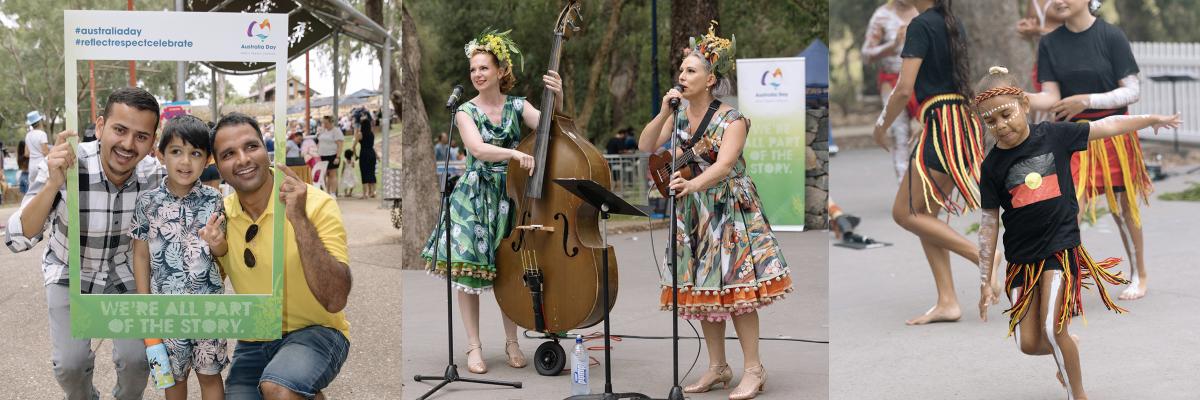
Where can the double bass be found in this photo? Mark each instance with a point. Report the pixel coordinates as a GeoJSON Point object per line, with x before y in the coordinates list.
{"type": "Point", "coordinates": [549, 265]}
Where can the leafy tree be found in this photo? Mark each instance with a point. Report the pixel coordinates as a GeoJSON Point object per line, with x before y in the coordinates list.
{"type": "Point", "coordinates": [31, 65]}
{"type": "Point", "coordinates": [621, 94]}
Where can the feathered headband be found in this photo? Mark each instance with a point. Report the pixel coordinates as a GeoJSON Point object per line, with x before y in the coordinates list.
{"type": "Point", "coordinates": [498, 43]}
{"type": "Point", "coordinates": [716, 51]}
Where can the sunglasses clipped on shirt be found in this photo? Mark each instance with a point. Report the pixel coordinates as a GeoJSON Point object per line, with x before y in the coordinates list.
{"type": "Point", "coordinates": [247, 255]}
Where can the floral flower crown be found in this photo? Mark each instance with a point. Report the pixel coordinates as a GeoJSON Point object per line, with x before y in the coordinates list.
{"type": "Point", "coordinates": [717, 51]}
{"type": "Point", "coordinates": [497, 43]}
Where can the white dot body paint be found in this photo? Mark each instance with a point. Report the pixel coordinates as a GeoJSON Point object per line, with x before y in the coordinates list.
{"type": "Point", "coordinates": [1017, 332]}
{"type": "Point", "coordinates": [1112, 119]}
{"type": "Point", "coordinates": [988, 228]}
{"type": "Point", "coordinates": [998, 108]}
{"type": "Point", "coordinates": [1055, 286]}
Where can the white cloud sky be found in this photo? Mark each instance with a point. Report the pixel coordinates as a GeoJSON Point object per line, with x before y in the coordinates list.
{"type": "Point", "coordinates": [364, 74]}
{"type": "Point", "coordinates": [7, 21]}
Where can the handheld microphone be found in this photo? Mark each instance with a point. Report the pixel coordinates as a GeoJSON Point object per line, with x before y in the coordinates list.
{"type": "Point", "coordinates": [454, 95]}
{"type": "Point", "coordinates": [674, 102]}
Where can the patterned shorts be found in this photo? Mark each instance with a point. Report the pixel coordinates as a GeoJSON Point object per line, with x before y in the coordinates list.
{"type": "Point", "coordinates": [206, 356]}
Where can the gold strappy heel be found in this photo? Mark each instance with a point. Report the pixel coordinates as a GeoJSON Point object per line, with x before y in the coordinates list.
{"type": "Point", "coordinates": [753, 381]}
{"type": "Point", "coordinates": [479, 368]}
{"type": "Point", "coordinates": [515, 359]}
{"type": "Point", "coordinates": [720, 374]}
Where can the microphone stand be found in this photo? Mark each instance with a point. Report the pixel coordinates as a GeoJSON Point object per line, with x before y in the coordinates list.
{"type": "Point", "coordinates": [451, 373]}
{"type": "Point", "coordinates": [676, 390]}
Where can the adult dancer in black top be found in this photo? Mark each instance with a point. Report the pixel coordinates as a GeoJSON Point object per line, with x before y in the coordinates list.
{"type": "Point", "coordinates": [1088, 72]}
{"type": "Point", "coordinates": [946, 156]}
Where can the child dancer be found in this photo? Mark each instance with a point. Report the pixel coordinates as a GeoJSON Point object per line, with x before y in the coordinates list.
{"type": "Point", "coordinates": [178, 230]}
{"type": "Point", "coordinates": [1028, 174]}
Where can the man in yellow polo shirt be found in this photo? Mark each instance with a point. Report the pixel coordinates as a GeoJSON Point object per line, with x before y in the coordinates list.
{"type": "Point", "coordinates": [315, 339]}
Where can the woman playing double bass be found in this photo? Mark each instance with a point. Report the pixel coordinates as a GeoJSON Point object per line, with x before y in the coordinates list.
{"type": "Point", "coordinates": [490, 125]}
{"type": "Point", "coordinates": [730, 263]}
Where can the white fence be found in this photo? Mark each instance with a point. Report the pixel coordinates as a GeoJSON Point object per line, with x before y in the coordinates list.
{"type": "Point", "coordinates": [1176, 59]}
{"type": "Point", "coordinates": [629, 177]}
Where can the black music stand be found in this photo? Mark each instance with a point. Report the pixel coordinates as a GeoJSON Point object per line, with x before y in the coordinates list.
{"type": "Point", "coordinates": [451, 373]}
{"type": "Point", "coordinates": [608, 203]}
{"type": "Point", "coordinates": [1173, 78]}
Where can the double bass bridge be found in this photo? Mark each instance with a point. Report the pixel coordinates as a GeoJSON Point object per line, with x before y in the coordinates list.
{"type": "Point", "coordinates": [534, 228]}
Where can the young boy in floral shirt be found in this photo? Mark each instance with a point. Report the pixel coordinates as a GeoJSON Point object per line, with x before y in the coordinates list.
{"type": "Point", "coordinates": [177, 233]}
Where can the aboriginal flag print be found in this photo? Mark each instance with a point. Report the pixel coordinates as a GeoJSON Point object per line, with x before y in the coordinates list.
{"type": "Point", "coordinates": [1033, 180]}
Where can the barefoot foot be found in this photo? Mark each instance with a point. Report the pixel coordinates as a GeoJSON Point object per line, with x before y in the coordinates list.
{"type": "Point", "coordinates": [937, 314]}
{"type": "Point", "coordinates": [1135, 291]}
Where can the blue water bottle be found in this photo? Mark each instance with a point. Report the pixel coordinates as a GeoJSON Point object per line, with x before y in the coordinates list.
{"type": "Point", "coordinates": [160, 363]}
{"type": "Point", "coordinates": [580, 363]}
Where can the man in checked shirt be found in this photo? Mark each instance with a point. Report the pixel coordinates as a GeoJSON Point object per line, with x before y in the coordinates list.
{"type": "Point", "coordinates": [113, 172]}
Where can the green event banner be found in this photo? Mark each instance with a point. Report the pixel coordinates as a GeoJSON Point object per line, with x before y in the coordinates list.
{"type": "Point", "coordinates": [771, 94]}
{"type": "Point", "coordinates": [174, 36]}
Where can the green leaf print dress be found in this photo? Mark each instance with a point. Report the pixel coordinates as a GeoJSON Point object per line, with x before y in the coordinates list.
{"type": "Point", "coordinates": [479, 207]}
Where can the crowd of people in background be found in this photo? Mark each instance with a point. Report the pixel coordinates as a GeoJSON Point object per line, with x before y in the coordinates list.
{"type": "Point", "coordinates": [324, 142]}
{"type": "Point", "coordinates": [345, 167]}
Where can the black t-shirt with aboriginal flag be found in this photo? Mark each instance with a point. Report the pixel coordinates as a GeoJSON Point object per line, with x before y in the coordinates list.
{"type": "Point", "coordinates": [1032, 183]}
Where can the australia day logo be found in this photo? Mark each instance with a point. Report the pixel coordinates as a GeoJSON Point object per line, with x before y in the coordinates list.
{"type": "Point", "coordinates": [260, 30]}
{"type": "Point", "coordinates": [772, 78]}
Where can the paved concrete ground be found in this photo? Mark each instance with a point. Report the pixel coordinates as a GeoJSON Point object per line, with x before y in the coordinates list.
{"type": "Point", "coordinates": [1148, 353]}
{"type": "Point", "coordinates": [372, 370]}
{"type": "Point", "coordinates": [796, 370]}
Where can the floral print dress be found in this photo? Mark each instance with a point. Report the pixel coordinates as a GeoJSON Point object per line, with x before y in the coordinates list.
{"type": "Point", "coordinates": [479, 207]}
{"type": "Point", "coordinates": [730, 263]}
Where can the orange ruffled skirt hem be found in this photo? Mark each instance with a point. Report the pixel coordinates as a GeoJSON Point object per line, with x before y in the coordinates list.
{"type": "Point", "coordinates": [722, 304]}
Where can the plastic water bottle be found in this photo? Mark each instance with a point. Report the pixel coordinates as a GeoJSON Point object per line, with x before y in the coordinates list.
{"type": "Point", "coordinates": [160, 363]}
{"type": "Point", "coordinates": [580, 364]}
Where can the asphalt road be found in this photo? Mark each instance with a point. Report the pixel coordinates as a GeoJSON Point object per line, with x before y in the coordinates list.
{"type": "Point", "coordinates": [795, 370]}
{"type": "Point", "coordinates": [1148, 353]}
{"type": "Point", "coordinates": [372, 370]}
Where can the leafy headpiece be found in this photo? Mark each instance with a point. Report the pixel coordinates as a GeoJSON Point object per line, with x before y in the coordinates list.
{"type": "Point", "coordinates": [716, 51]}
{"type": "Point", "coordinates": [498, 43]}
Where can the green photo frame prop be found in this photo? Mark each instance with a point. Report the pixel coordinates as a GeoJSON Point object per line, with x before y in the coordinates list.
{"type": "Point", "coordinates": [175, 36]}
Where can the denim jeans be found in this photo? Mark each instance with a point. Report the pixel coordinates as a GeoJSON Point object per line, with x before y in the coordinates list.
{"type": "Point", "coordinates": [304, 361]}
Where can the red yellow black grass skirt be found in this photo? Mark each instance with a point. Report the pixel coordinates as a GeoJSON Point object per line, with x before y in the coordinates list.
{"type": "Point", "coordinates": [1111, 167]}
{"type": "Point", "coordinates": [952, 144]}
{"type": "Point", "coordinates": [1078, 268]}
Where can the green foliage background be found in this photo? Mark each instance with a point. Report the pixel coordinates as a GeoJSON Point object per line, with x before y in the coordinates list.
{"type": "Point", "coordinates": [31, 62]}
{"type": "Point", "coordinates": [780, 28]}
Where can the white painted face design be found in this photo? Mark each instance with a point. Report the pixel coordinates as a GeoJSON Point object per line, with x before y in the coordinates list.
{"type": "Point", "coordinates": [1003, 120]}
